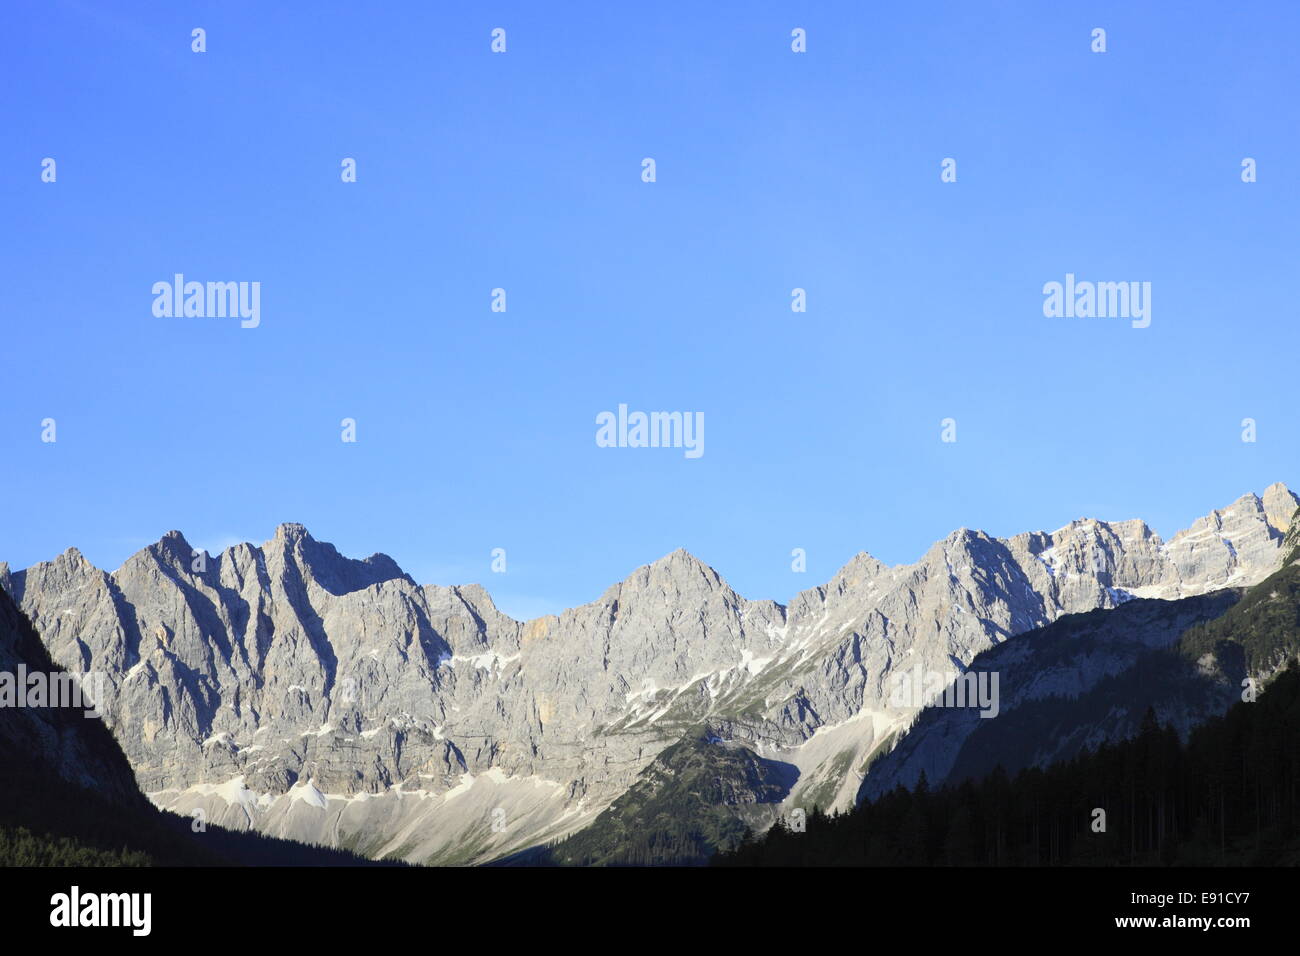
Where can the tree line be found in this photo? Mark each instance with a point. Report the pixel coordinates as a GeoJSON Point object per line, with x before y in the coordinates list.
{"type": "Point", "coordinates": [1230, 795]}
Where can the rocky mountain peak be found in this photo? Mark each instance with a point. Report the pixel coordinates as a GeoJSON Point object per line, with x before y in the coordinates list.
{"type": "Point", "coordinates": [292, 532]}
{"type": "Point", "coordinates": [321, 562]}
{"type": "Point", "coordinates": [859, 573]}
{"type": "Point", "coordinates": [679, 570]}
{"type": "Point", "coordinates": [1280, 504]}
{"type": "Point", "coordinates": [681, 559]}
{"type": "Point", "coordinates": [172, 548]}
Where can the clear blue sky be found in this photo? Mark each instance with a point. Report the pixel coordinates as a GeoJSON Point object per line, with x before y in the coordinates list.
{"type": "Point", "coordinates": [523, 171]}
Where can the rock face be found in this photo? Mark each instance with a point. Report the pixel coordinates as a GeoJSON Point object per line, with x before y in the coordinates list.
{"type": "Point", "coordinates": [1088, 679]}
{"type": "Point", "coordinates": [317, 697]}
{"type": "Point", "coordinates": [51, 736]}
{"type": "Point", "coordinates": [1081, 681]}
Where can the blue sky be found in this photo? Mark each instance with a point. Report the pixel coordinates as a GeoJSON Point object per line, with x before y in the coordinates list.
{"type": "Point", "coordinates": [522, 171]}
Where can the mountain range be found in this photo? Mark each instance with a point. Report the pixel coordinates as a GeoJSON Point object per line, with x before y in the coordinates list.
{"type": "Point", "coordinates": [287, 689]}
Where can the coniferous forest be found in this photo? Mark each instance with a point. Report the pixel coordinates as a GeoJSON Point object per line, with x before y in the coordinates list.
{"type": "Point", "coordinates": [1229, 796]}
